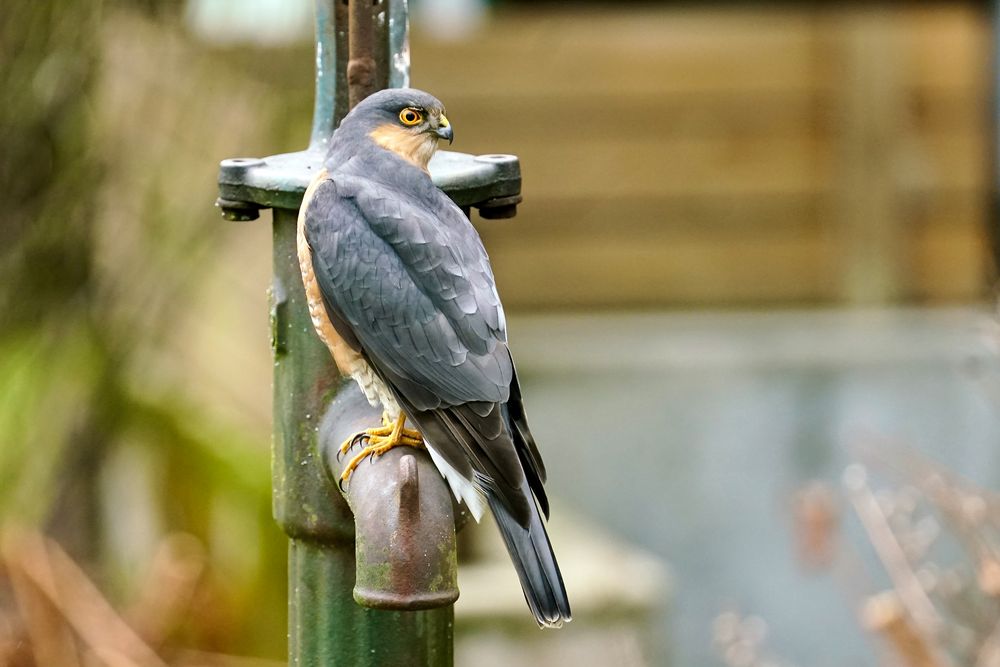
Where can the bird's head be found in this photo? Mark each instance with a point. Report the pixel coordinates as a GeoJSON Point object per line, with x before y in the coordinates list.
{"type": "Point", "coordinates": [406, 121]}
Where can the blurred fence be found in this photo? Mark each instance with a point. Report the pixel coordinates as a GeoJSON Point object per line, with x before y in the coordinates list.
{"type": "Point", "coordinates": [737, 155]}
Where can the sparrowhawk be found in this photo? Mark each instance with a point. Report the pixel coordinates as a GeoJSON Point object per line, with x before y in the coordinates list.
{"type": "Point", "coordinates": [401, 291]}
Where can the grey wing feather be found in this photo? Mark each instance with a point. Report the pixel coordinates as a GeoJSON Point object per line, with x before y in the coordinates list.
{"type": "Point", "coordinates": [416, 289]}
{"type": "Point", "coordinates": [412, 282]}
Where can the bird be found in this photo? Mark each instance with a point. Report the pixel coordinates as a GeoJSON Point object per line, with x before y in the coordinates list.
{"type": "Point", "coordinates": [401, 291]}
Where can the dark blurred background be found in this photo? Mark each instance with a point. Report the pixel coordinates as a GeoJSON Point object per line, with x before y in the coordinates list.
{"type": "Point", "coordinates": [754, 249]}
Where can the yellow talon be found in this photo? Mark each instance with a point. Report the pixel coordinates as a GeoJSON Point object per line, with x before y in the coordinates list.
{"type": "Point", "coordinates": [380, 440]}
{"type": "Point", "coordinates": [384, 430]}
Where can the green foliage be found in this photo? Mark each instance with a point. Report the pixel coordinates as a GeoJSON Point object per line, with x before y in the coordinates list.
{"type": "Point", "coordinates": [109, 135]}
{"type": "Point", "coordinates": [46, 385]}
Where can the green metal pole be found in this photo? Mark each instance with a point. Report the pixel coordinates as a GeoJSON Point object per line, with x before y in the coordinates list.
{"type": "Point", "coordinates": [326, 625]}
{"type": "Point", "coordinates": [330, 628]}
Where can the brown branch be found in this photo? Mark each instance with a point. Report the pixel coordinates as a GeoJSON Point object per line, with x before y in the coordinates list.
{"type": "Point", "coordinates": [51, 641]}
{"type": "Point", "coordinates": [53, 574]}
{"type": "Point", "coordinates": [190, 658]}
{"type": "Point", "coordinates": [169, 589]}
{"type": "Point", "coordinates": [885, 615]}
{"type": "Point", "coordinates": [989, 652]}
{"type": "Point", "coordinates": [912, 597]}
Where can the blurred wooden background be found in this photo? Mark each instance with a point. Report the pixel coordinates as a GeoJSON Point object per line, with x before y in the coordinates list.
{"type": "Point", "coordinates": [674, 157]}
{"type": "Point", "coordinates": [731, 156]}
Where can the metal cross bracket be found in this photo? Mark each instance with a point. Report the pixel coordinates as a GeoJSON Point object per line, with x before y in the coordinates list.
{"type": "Point", "coordinates": [489, 183]}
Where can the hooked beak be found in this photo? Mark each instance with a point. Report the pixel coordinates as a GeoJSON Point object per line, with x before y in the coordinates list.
{"type": "Point", "coordinates": [444, 130]}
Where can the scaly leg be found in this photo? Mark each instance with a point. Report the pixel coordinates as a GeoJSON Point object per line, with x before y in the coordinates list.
{"type": "Point", "coordinates": [380, 440]}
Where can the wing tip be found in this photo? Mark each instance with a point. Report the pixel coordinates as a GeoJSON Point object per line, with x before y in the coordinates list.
{"type": "Point", "coordinates": [553, 623]}
{"type": "Point", "coordinates": [531, 553]}
{"type": "Point", "coordinates": [555, 611]}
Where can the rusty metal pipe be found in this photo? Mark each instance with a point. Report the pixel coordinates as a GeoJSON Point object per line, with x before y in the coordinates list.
{"type": "Point", "coordinates": [404, 515]}
{"type": "Point", "coordinates": [361, 51]}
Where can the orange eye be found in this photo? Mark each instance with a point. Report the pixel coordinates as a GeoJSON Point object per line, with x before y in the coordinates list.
{"type": "Point", "coordinates": [410, 117]}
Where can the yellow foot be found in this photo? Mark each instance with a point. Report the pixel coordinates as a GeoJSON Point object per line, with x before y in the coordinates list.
{"type": "Point", "coordinates": [409, 436]}
{"type": "Point", "coordinates": [379, 440]}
